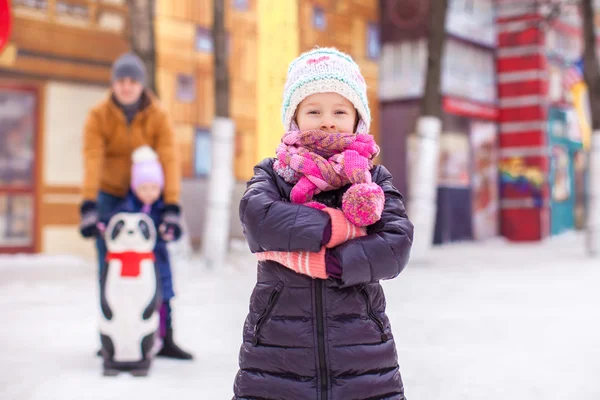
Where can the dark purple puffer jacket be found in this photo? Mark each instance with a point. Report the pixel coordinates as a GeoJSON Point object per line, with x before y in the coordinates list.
{"type": "Point", "coordinates": [313, 339]}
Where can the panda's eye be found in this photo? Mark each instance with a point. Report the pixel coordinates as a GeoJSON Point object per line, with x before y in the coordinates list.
{"type": "Point", "coordinates": [117, 229]}
{"type": "Point", "coordinates": [145, 229]}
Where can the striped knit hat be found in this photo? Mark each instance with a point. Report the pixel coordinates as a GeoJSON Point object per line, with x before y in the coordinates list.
{"type": "Point", "coordinates": [324, 70]}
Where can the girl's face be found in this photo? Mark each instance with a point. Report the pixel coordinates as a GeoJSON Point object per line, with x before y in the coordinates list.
{"type": "Point", "coordinates": [329, 112]}
{"type": "Point", "coordinates": [148, 193]}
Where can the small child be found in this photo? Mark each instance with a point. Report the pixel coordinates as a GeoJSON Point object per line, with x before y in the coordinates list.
{"type": "Point", "coordinates": [147, 182]}
{"type": "Point", "coordinates": [326, 225]}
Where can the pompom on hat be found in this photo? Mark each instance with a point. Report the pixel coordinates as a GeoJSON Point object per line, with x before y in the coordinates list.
{"type": "Point", "coordinates": [325, 70]}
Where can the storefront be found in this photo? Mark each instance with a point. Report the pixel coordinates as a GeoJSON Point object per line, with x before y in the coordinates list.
{"type": "Point", "coordinates": [567, 168]}
{"type": "Point", "coordinates": [19, 128]}
{"type": "Point", "coordinates": [49, 79]}
{"type": "Point", "coordinates": [467, 206]}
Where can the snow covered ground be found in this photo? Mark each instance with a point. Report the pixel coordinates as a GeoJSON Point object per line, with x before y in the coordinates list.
{"type": "Point", "coordinates": [479, 321]}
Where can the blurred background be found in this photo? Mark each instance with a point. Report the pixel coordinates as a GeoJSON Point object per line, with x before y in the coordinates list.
{"type": "Point", "coordinates": [511, 171]}
{"type": "Point", "coordinates": [514, 119]}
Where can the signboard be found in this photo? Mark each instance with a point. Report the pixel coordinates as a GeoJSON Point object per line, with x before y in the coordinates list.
{"type": "Point", "coordinates": [472, 21]}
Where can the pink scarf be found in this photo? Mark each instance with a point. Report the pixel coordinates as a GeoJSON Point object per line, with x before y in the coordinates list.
{"type": "Point", "coordinates": [316, 161]}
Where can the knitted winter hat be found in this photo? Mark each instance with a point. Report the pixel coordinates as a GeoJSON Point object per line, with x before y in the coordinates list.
{"type": "Point", "coordinates": [146, 167]}
{"type": "Point", "coordinates": [325, 70]}
{"type": "Point", "coordinates": [131, 66]}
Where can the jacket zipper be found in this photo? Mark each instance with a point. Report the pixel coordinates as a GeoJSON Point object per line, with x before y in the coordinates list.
{"type": "Point", "coordinates": [267, 311]}
{"type": "Point", "coordinates": [321, 339]}
{"type": "Point", "coordinates": [372, 315]}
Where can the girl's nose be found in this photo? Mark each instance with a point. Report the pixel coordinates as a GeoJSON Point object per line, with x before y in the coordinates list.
{"type": "Point", "coordinates": [328, 126]}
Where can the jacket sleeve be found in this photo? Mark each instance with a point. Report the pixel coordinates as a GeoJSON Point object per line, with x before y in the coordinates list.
{"type": "Point", "coordinates": [271, 223]}
{"type": "Point", "coordinates": [384, 252]}
{"type": "Point", "coordinates": [166, 149]}
{"type": "Point", "coordinates": [93, 156]}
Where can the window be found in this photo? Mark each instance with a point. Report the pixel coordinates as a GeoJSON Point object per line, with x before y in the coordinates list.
{"type": "Point", "coordinates": [16, 220]}
{"type": "Point", "coordinates": [16, 138]}
{"type": "Point", "coordinates": [204, 40]}
{"type": "Point", "coordinates": [73, 10]}
{"type": "Point", "coordinates": [202, 155]}
{"type": "Point", "coordinates": [373, 43]}
{"type": "Point", "coordinates": [17, 168]}
{"type": "Point", "coordinates": [38, 4]}
{"type": "Point", "coordinates": [319, 20]}
{"type": "Point", "coordinates": [240, 5]}
{"type": "Point", "coordinates": [186, 88]}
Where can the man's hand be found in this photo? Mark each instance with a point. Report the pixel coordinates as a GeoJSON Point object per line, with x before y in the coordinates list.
{"type": "Point", "coordinates": [88, 227]}
{"type": "Point", "coordinates": [170, 226]}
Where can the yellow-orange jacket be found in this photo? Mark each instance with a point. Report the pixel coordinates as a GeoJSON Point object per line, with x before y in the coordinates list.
{"type": "Point", "coordinates": [108, 142]}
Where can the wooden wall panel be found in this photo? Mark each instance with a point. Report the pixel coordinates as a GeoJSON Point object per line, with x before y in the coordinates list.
{"type": "Point", "coordinates": [174, 36]}
{"type": "Point", "coordinates": [176, 25]}
{"type": "Point", "coordinates": [246, 142]}
{"type": "Point", "coordinates": [59, 205]}
{"type": "Point", "coordinates": [205, 107]}
{"type": "Point", "coordinates": [346, 29]}
{"type": "Point", "coordinates": [185, 140]}
{"type": "Point", "coordinates": [359, 38]}
{"type": "Point", "coordinates": [59, 214]}
{"type": "Point", "coordinates": [67, 41]}
{"type": "Point", "coordinates": [61, 69]}
{"type": "Point", "coordinates": [367, 10]}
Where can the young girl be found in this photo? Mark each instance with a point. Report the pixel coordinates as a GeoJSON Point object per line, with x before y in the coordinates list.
{"type": "Point", "coordinates": [326, 226]}
{"type": "Point", "coordinates": [147, 180]}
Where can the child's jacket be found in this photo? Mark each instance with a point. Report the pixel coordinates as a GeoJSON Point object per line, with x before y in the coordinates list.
{"type": "Point", "coordinates": [308, 339]}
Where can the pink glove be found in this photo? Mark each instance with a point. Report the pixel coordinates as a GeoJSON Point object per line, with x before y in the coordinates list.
{"type": "Point", "coordinates": [303, 262]}
{"type": "Point", "coordinates": [342, 230]}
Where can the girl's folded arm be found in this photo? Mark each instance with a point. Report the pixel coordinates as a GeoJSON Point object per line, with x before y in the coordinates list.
{"type": "Point", "coordinates": [384, 252]}
{"type": "Point", "coordinates": [272, 224]}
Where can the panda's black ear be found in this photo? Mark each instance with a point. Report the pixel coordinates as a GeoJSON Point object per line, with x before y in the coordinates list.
{"type": "Point", "coordinates": [144, 228]}
{"type": "Point", "coordinates": [117, 229]}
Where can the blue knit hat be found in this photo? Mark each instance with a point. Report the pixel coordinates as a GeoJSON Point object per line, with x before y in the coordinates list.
{"type": "Point", "coordinates": [325, 70]}
{"type": "Point", "coordinates": [131, 66]}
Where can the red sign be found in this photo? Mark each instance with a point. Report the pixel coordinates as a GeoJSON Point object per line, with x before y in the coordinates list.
{"type": "Point", "coordinates": [5, 22]}
{"type": "Point", "coordinates": [453, 105]}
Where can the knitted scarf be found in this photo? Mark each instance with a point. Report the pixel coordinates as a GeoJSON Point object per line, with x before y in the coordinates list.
{"type": "Point", "coordinates": [316, 161]}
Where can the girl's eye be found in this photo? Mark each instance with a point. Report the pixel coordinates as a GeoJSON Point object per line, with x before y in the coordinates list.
{"type": "Point", "coordinates": [313, 112]}
{"type": "Point", "coordinates": [340, 112]}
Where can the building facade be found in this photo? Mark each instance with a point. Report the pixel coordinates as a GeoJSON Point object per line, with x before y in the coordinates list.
{"type": "Point", "coordinates": [55, 65]}
{"type": "Point", "coordinates": [513, 140]}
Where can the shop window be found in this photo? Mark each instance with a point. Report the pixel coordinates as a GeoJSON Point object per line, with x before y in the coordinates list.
{"type": "Point", "coordinates": [202, 153]}
{"type": "Point", "coordinates": [319, 20]}
{"type": "Point", "coordinates": [186, 88]}
{"type": "Point", "coordinates": [16, 220]}
{"type": "Point", "coordinates": [373, 43]}
{"type": "Point", "coordinates": [17, 168]}
{"type": "Point", "coordinates": [16, 139]}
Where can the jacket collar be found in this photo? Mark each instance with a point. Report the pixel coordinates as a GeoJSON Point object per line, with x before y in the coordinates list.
{"type": "Point", "coordinates": [147, 104]}
{"type": "Point", "coordinates": [138, 203]}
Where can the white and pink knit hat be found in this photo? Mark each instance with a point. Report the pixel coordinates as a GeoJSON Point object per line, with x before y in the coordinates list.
{"type": "Point", "coordinates": [145, 167]}
{"type": "Point", "coordinates": [325, 70]}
